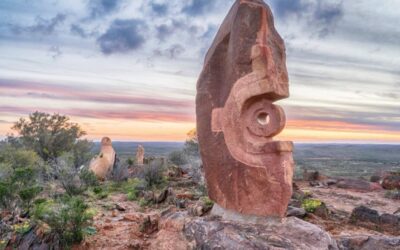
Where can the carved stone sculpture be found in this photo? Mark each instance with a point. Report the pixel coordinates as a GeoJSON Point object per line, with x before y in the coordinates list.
{"type": "Point", "coordinates": [102, 165]}
{"type": "Point", "coordinates": [140, 155]}
{"type": "Point", "coordinates": [244, 74]}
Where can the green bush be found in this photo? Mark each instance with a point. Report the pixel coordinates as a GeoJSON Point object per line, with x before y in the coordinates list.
{"type": "Point", "coordinates": [88, 178]}
{"type": "Point", "coordinates": [6, 194]}
{"type": "Point", "coordinates": [143, 202]}
{"type": "Point", "coordinates": [73, 180]}
{"type": "Point", "coordinates": [19, 189]}
{"type": "Point", "coordinates": [22, 228]}
{"type": "Point", "coordinates": [48, 135]}
{"type": "Point", "coordinates": [310, 205]}
{"type": "Point", "coordinates": [130, 162]}
{"type": "Point", "coordinates": [153, 174]}
{"type": "Point", "coordinates": [28, 194]}
{"type": "Point", "coordinates": [68, 218]}
{"type": "Point", "coordinates": [177, 158]}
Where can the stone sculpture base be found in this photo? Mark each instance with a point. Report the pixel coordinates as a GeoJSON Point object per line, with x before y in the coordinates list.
{"type": "Point", "coordinates": [230, 215]}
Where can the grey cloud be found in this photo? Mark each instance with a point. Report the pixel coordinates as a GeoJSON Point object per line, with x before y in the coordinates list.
{"type": "Point", "coordinates": [198, 7]}
{"type": "Point", "coordinates": [163, 31]}
{"type": "Point", "coordinates": [160, 9]}
{"type": "Point", "coordinates": [172, 52]}
{"type": "Point", "coordinates": [123, 35]}
{"type": "Point", "coordinates": [389, 95]}
{"type": "Point", "coordinates": [327, 15]}
{"type": "Point", "coordinates": [78, 30]}
{"type": "Point", "coordinates": [42, 26]}
{"type": "Point", "coordinates": [99, 8]}
{"type": "Point", "coordinates": [55, 52]}
{"type": "Point", "coordinates": [284, 8]}
{"type": "Point", "coordinates": [320, 15]}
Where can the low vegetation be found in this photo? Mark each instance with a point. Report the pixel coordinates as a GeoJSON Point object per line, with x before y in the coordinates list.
{"type": "Point", "coordinates": [43, 178]}
{"type": "Point", "coordinates": [310, 205]}
{"type": "Point", "coordinates": [46, 185]}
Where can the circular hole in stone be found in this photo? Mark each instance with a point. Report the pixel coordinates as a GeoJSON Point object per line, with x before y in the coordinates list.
{"type": "Point", "coordinates": [263, 118]}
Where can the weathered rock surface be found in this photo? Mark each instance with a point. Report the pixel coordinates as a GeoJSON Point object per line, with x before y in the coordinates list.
{"type": "Point", "coordinates": [140, 155]}
{"type": "Point", "coordinates": [296, 212]}
{"type": "Point", "coordinates": [364, 242]}
{"type": "Point", "coordinates": [391, 182]}
{"type": "Point", "coordinates": [371, 219]}
{"type": "Point", "coordinates": [358, 185]}
{"type": "Point", "coordinates": [292, 233]}
{"type": "Point", "coordinates": [102, 165]}
{"type": "Point", "coordinates": [244, 73]}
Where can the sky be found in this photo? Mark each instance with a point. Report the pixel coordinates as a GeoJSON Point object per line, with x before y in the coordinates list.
{"type": "Point", "coordinates": [128, 69]}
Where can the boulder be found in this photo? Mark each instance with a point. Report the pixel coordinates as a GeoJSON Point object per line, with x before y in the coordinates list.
{"type": "Point", "coordinates": [244, 73]}
{"type": "Point", "coordinates": [362, 215]}
{"type": "Point", "coordinates": [390, 223]}
{"type": "Point", "coordinates": [368, 242]}
{"type": "Point", "coordinates": [290, 233]}
{"type": "Point", "coordinates": [370, 218]}
{"type": "Point", "coordinates": [295, 212]}
{"type": "Point", "coordinates": [358, 185]}
{"type": "Point", "coordinates": [391, 182]}
{"type": "Point", "coordinates": [310, 175]}
{"type": "Point", "coordinates": [102, 165]}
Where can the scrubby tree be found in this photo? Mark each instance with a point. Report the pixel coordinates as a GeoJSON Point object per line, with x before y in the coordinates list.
{"type": "Point", "coordinates": [191, 147]}
{"type": "Point", "coordinates": [49, 135]}
{"type": "Point", "coordinates": [20, 172]}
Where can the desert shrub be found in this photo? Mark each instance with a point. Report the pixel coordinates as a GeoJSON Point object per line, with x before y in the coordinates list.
{"type": "Point", "coordinates": [130, 162]}
{"type": "Point", "coordinates": [131, 187]}
{"type": "Point", "coordinates": [393, 194]}
{"type": "Point", "coordinates": [143, 202]}
{"type": "Point", "coordinates": [82, 152]}
{"type": "Point", "coordinates": [74, 180]}
{"type": "Point", "coordinates": [88, 178]}
{"type": "Point", "coordinates": [22, 228]}
{"type": "Point", "coordinates": [48, 135]}
{"type": "Point", "coordinates": [310, 205]}
{"type": "Point", "coordinates": [132, 196]}
{"type": "Point", "coordinates": [68, 218]}
{"type": "Point", "coordinates": [28, 194]}
{"type": "Point", "coordinates": [6, 195]}
{"type": "Point", "coordinates": [191, 147]}
{"type": "Point", "coordinates": [100, 192]}
{"type": "Point", "coordinates": [177, 158]}
{"type": "Point", "coordinates": [19, 188]}
{"type": "Point", "coordinates": [68, 175]}
{"type": "Point", "coordinates": [120, 171]}
{"type": "Point", "coordinates": [153, 174]}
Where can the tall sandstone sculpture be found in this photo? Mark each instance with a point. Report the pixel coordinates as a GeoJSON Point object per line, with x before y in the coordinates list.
{"type": "Point", "coordinates": [244, 73]}
{"type": "Point", "coordinates": [102, 165]}
{"type": "Point", "coordinates": [140, 155]}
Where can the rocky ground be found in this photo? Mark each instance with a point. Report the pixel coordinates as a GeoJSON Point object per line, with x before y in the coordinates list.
{"type": "Point", "coordinates": [324, 213]}
{"type": "Point", "coordinates": [347, 219]}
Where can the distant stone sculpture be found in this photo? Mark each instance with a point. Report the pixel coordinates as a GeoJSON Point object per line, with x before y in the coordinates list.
{"type": "Point", "coordinates": [244, 73]}
{"type": "Point", "coordinates": [102, 165]}
{"type": "Point", "coordinates": [140, 155]}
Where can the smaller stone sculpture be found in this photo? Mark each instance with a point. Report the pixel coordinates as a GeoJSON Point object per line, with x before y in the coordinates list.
{"type": "Point", "coordinates": [140, 155]}
{"type": "Point", "coordinates": [102, 165]}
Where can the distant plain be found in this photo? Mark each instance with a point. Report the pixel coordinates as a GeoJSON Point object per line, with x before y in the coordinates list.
{"type": "Point", "coordinates": [338, 160]}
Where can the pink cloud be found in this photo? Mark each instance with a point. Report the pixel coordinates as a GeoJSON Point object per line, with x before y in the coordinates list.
{"type": "Point", "coordinates": [23, 89]}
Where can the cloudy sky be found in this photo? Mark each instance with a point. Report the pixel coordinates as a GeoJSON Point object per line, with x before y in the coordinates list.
{"type": "Point", "coordinates": [128, 69]}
